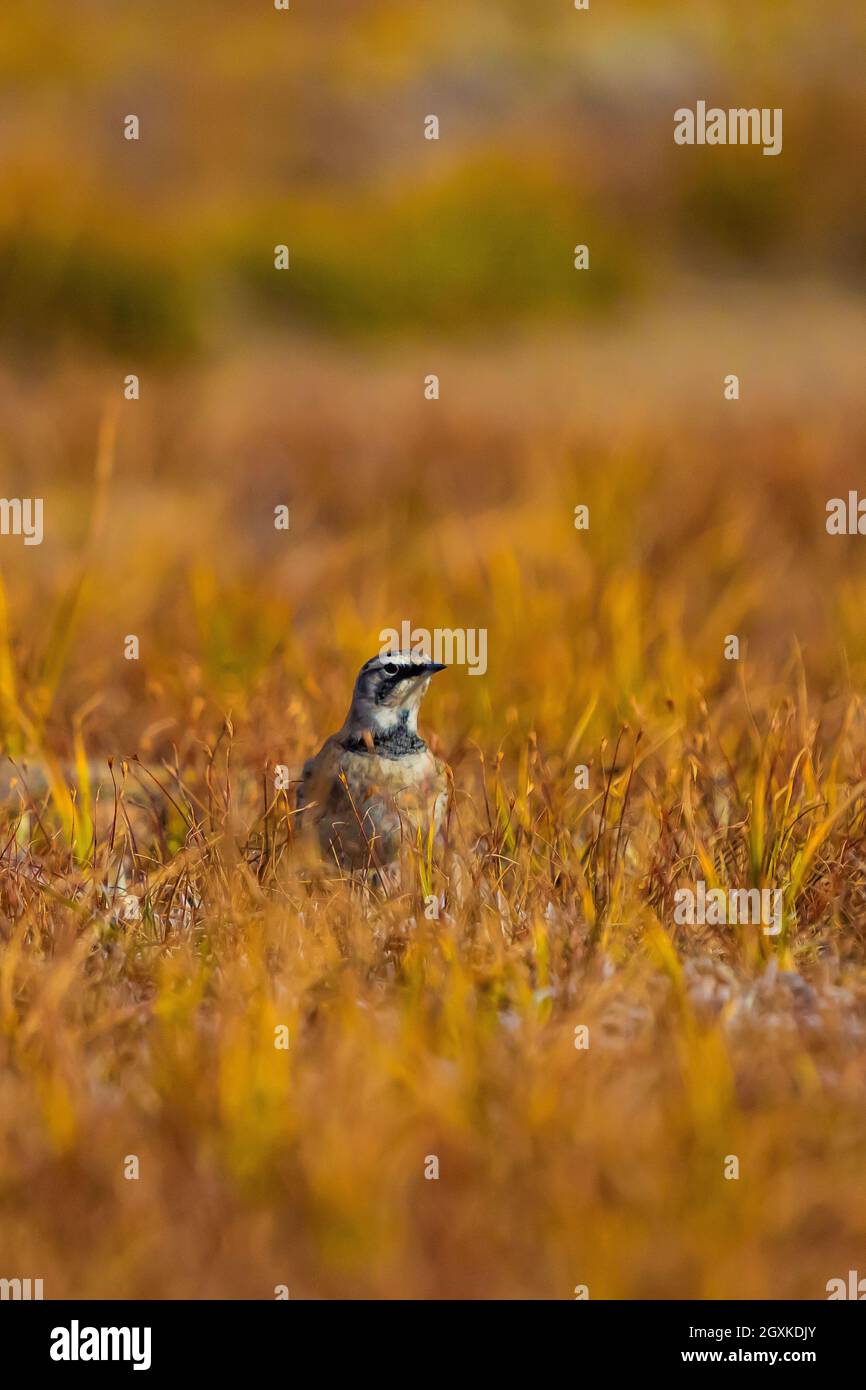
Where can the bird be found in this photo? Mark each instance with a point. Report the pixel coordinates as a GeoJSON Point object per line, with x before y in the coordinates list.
{"type": "Point", "coordinates": [374, 785]}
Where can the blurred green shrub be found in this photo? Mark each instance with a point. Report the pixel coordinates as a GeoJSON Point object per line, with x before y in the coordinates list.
{"type": "Point", "coordinates": [491, 243]}
{"type": "Point", "coordinates": [95, 289]}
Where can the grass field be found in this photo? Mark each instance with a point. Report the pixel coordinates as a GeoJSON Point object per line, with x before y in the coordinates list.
{"type": "Point", "coordinates": [152, 1032]}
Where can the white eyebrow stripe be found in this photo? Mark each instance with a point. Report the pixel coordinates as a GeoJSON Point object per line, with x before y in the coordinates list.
{"type": "Point", "coordinates": [400, 659]}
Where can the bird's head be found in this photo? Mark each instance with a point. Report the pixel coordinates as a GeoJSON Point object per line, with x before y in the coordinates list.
{"type": "Point", "coordinates": [389, 691]}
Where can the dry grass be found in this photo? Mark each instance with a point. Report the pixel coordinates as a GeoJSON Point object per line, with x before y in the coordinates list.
{"type": "Point", "coordinates": [411, 1037]}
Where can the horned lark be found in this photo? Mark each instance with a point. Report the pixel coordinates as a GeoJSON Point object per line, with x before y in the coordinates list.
{"type": "Point", "coordinates": [375, 784]}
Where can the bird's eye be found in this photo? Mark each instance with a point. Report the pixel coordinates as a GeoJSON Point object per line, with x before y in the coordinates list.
{"type": "Point", "coordinates": [390, 669]}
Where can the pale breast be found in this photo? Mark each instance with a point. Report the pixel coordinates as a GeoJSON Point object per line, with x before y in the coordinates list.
{"type": "Point", "coordinates": [384, 802]}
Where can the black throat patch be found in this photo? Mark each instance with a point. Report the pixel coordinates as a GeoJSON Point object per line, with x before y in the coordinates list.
{"type": "Point", "coordinates": [397, 742]}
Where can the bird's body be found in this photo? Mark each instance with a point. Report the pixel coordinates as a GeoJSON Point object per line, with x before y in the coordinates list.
{"type": "Point", "coordinates": [375, 785]}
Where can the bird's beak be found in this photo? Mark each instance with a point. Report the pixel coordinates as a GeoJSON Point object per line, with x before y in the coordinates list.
{"type": "Point", "coordinates": [433, 666]}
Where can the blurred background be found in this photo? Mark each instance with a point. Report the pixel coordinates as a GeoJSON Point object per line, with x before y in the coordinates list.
{"type": "Point", "coordinates": [306, 127]}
